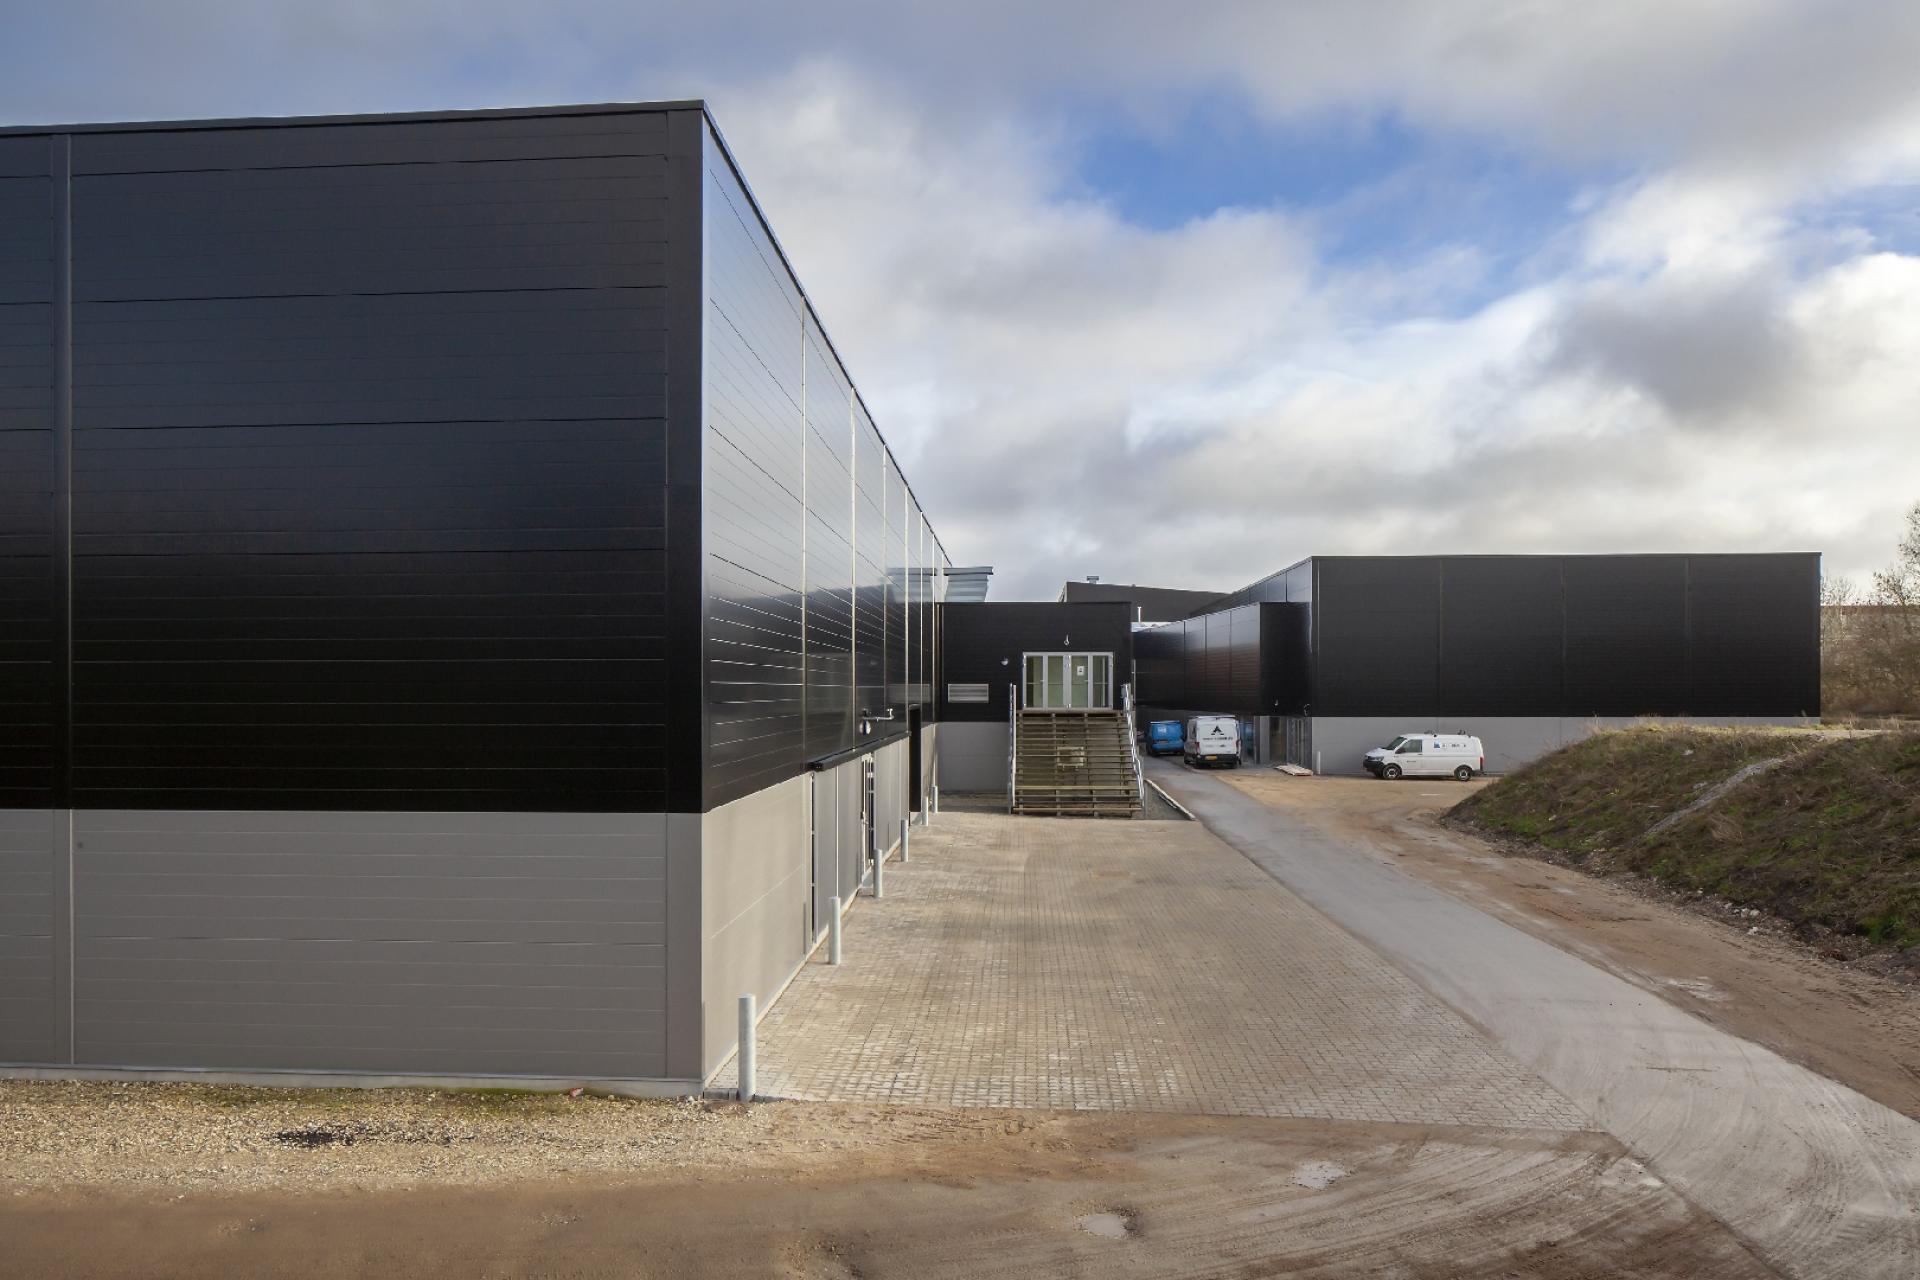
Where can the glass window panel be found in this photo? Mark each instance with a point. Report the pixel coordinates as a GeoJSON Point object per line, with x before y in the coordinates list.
{"type": "Point", "coordinates": [1056, 679]}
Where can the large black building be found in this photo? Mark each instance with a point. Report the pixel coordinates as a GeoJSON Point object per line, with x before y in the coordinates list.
{"type": "Point", "coordinates": [459, 616]}
{"type": "Point", "coordinates": [1339, 653]}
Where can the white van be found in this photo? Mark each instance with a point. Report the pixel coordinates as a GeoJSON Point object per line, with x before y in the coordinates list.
{"type": "Point", "coordinates": [1212, 740]}
{"type": "Point", "coordinates": [1428, 755]}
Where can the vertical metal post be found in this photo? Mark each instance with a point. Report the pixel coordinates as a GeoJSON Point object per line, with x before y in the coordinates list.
{"type": "Point", "coordinates": [833, 933]}
{"type": "Point", "coordinates": [879, 862]}
{"type": "Point", "coordinates": [906, 834]}
{"type": "Point", "coordinates": [746, 1063]}
{"type": "Point", "coordinates": [936, 797]}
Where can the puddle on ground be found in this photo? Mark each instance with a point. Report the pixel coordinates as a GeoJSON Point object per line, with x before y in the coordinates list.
{"type": "Point", "coordinates": [1111, 1226]}
{"type": "Point", "coordinates": [1318, 1175]}
{"type": "Point", "coordinates": [312, 1138]}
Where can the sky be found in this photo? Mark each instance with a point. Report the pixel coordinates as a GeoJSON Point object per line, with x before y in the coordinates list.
{"type": "Point", "coordinates": [1178, 295]}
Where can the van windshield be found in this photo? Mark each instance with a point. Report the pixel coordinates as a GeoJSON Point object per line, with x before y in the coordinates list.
{"type": "Point", "coordinates": [1395, 744]}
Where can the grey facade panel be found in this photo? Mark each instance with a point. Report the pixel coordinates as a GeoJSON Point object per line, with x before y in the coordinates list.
{"type": "Point", "coordinates": [387, 961]}
{"type": "Point", "coordinates": [30, 952]}
{"type": "Point", "coordinates": [756, 921]}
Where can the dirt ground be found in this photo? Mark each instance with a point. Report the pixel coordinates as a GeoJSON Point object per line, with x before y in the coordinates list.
{"type": "Point", "coordinates": [807, 1190]}
{"type": "Point", "coordinates": [1745, 976]}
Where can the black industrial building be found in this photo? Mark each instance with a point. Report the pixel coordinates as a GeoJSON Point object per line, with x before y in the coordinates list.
{"type": "Point", "coordinates": [1149, 604]}
{"type": "Point", "coordinates": [1337, 654]}
{"type": "Point", "coordinates": [460, 619]}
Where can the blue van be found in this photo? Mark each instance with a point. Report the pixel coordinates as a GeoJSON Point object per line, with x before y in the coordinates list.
{"type": "Point", "coordinates": [1164, 737]}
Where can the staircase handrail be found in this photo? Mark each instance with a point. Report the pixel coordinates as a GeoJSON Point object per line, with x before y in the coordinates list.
{"type": "Point", "coordinates": [1013, 744]}
{"type": "Point", "coordinates": [1133, 746]}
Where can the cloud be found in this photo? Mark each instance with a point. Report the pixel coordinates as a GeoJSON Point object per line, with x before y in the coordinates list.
{"type": "Point", "coordinates": [1075, 394]}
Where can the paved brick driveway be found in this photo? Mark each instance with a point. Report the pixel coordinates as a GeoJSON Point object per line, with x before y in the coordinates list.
{"type": "Point", "coordinates": [1061, 963]}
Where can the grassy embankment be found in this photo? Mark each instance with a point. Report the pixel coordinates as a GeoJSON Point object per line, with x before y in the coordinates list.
{"type": "Point", "coordinates": [1827, 840]}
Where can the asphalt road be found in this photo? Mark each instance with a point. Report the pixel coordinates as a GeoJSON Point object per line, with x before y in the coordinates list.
{"type": "Point", "coordinates": [1816, 1179]}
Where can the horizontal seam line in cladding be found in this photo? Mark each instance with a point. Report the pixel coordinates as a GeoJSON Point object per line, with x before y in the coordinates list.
{"type": "Point", "coordinates": [382, 942]}
{"type": "Point", "coordinates": [226, 1042]}
{"type": "Point", "coordinates": [717, 430]}
{"type": "Point", "coordinates": [742, 914]}
{"type": "Point", "coordinates": [362, 165]}
{"type": "Point", "coordinates": [282, 938]}
{"type": "Point", "coordinates": [275, 225]}
{"type": "Point", "coordinates": [229, 1002]}
{"type": "Point", "coordinates": [78, 303]}
{"type": "Point", "coordinates": [301, 555]}
{"type": "Point", "coordinates": [420, 357]}
{"type": "Point", "coordinates": [438, 659]}
{"type": "Point", "coordinates": [319, 534]}
{"type": "Point", "coordinates": [720, 307]}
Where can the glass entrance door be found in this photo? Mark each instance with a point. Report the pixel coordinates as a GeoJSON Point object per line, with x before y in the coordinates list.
{"type": "Point", "coordinates": [1068, 681]}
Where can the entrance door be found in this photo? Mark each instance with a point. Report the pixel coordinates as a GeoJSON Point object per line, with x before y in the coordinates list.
{"type": "Point", "coordinates": [1068, 681]}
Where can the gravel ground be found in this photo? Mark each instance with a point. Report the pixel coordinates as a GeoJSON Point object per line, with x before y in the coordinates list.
{"type": "Point", "coordinates": [64, 1133]}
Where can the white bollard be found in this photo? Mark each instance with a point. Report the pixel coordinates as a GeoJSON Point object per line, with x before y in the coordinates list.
{"type": "Point", "coordinates": [833, 933]}
{"type": "Point", "coordinates": [879, 861]}
{"type": "Point", "coordinates": [746, 1063]}
{"type": "Point", "coordinates": [936, 797]}
{"type": "Point", "coordinates": [906, 834]}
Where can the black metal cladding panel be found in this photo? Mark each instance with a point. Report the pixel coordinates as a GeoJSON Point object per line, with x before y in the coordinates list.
{"type": "Point", "coordinates": [29, 673]}
{"type": "Point", "coordinates": [1216, 661]}
{"type": "Point", "coordinates": [870, 560]}
{"type": "Point", "coordinates": [896, 590]}
{"type": "Point", "coordinates": [982, 643]}
{"type": "Point", "coordinates": [1292, 584]}
{"type": "Point", "coordinates": [1283, 650]}
{"type": "Point", "coordinates": [1379, 636]}
{"type": "Point", "coordinates": [1755, 632]}
{"type": "Point", "coordinates": [1626, 635]}
{"type": "Point", "coordinates": [924, 639]}
{"type": "Point", "coordinates": [1243, 693]}
{"type": "Point", "coordinates": [1159, 663]}
{"type": "Point", "coordinates": [369, 466]}
{"type": "Point", "coordinates": [830, 499]}
{"type": "Point", "coordinates": [754, 509]}
{"type": "Point", "coordinates": [1501, 636]}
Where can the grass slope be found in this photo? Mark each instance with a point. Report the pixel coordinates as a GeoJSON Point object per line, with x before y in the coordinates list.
{"type": "Point", "coordinates": [1830, 838]}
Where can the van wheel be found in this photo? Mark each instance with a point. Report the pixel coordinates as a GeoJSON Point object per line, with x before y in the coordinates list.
{"type": "Point", "coordinates": [1464, 773]}
{"type": "Point", "coordinates": [1390, 772]}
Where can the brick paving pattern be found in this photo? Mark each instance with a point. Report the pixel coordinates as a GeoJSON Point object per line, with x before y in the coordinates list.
{"type": "Point", "coordinates": [1143, 966]}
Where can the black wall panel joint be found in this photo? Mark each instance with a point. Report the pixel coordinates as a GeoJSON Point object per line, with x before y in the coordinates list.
{"type": "Point", "coordinates": [60, 170]}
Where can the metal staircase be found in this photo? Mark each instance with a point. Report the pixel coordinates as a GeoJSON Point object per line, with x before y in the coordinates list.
{"type": "Point", "coordinates": [1074, 763]}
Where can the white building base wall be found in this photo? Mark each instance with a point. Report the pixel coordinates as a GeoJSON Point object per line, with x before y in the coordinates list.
{"type": "Point", "coordinates": [1339, 742]}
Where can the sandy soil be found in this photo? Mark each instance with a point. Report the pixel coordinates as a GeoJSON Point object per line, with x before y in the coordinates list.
{"type": "Point", "coordinates": [1747, 976]}
{"type": "Point", "coordinates": [806, 1190]}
